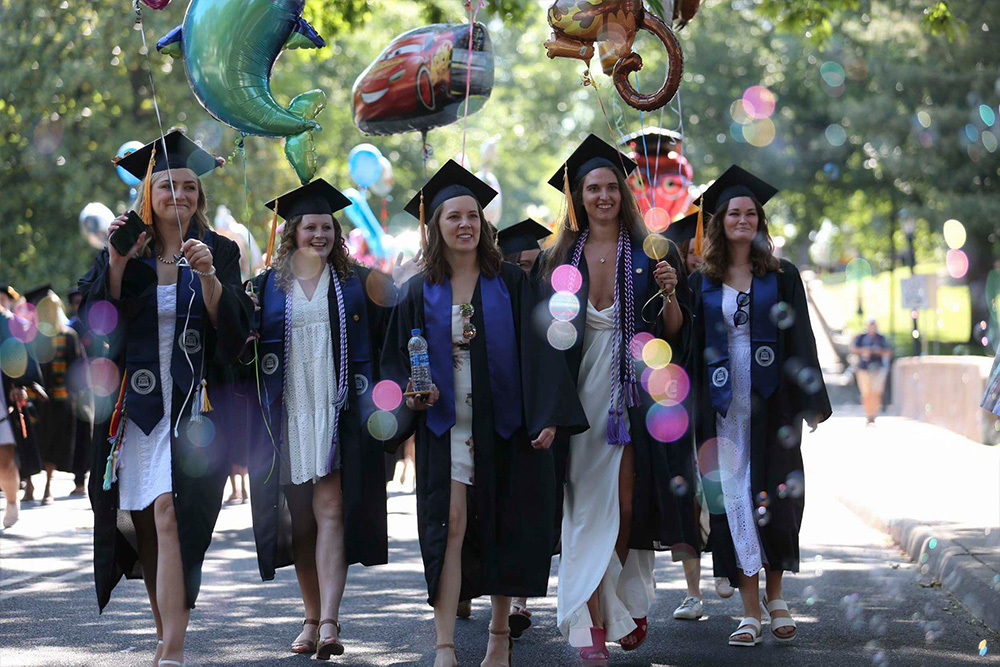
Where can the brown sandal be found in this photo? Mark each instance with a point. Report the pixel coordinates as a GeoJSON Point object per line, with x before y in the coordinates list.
{"type": "Point", "coordinates": [305, 645]}
{"type": "Point", "coordinates": [329, 647]}
{"type": "Point", "coordinates": [510, 644]}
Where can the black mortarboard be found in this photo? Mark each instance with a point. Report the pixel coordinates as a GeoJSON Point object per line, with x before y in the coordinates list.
{"type": "Point", "coordinates": [592, 154]}
{"type": "Point", "coordinates": [181, 153]}
{"type": "Point", "coordinates": [10, 292]}
{"type": "Point", "coordinates": [521, 236]}
{"type": "Point", "coordinates": [317, 196]}
{"type": "Point", "coordinates": [452, 180]}
{"type": "Point", "coordinates": [35, 295]}
{"type": "Point", "coordinates": [736, 182]}
{"type": "Point", "coordinates": [682, 230]}
{"type": "Point", "coordinates": [652, 141]}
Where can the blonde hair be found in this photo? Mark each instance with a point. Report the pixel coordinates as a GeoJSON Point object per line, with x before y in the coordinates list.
{"type": "Point", "coordinates": [199, 219]}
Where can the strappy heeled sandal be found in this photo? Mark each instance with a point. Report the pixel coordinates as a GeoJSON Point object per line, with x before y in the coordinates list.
{"type": "Point", "coordinates": [748, 626]}
{"type": "Point", "coordinates": [597, 653]}
{"type": "Point", "coordinates": [325, 648]}
{"type": "Point", "coordinates": [778, 623]}
{"type": "Point", "coordinates": [510, 646]}
{"type": "Point", "coordinates": [441, 647]}
{"type": "Point", "coordinates": [519, 621]}
{"type": "Point", "coordinates": [638, 635]}
{"type": "Point", "coordinates": [306, 645]}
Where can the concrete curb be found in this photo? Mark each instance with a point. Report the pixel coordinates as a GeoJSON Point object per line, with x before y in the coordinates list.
{"type": "Point", "coordinates": [943, 560]}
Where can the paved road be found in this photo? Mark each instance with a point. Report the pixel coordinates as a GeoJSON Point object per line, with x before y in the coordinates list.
{"type": "Point", "coordinates": [858, 601]}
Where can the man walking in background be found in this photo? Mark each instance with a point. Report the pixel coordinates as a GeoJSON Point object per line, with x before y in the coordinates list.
{"type": "Point", "coordinates": [874, 352]}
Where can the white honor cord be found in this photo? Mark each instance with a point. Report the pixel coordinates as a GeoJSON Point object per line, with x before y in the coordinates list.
{"type": "Point", "coordinates": [187, 357]}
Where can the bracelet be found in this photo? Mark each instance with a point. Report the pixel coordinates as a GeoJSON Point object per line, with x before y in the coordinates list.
{"type": "Point", "coordinates": [205, 274]}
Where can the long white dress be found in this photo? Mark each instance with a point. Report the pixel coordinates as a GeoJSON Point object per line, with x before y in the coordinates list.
{"type": "Point", "coordinates": [462, 468]}
{"type": "Point", "coordinates": [733, 433]}
{"type": "Point", "coordinates": [590, 509]}
{"type": "Point", "coordinates": [145, 467]}
{"type": "Point", "coordinates": [310, 388]}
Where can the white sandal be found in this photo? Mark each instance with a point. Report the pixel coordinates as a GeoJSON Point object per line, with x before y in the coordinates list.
{"type": "Point", "coordinates": [748, 626]}
{"type": "Point", "coordinates": [778, 623]}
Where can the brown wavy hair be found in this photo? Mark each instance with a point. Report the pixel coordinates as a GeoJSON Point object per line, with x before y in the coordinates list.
{"type": "Point", "coordinates": [339, 258]}
{"type": "Point", "coordinates": [716, 254]}
{"type": "Point", "coordinates": [629, 215]}
{"type": "Point", "coordinates": [199, 219]}
{"type": "Point", "coordinates": [488, 254]}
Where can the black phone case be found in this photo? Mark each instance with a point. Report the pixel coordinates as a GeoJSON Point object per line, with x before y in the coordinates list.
{"type": "Point", "coordinates": [125, 237]}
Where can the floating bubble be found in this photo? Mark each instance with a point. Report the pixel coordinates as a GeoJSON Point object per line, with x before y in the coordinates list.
{"type": "Point", "coordinates": [24, 325]}
{"type": "Point", "coordinates": [638, 342]}
{"type": "Point", "coordinates": [924, 118]}
{"type": "Point", "coordinates": [954, 234]}
{"type": "Point", "coordinates": [668, 385]}
{"type": "Point", "coordinates": [932, 544]}
{"type": "Point", "coordinates": [783, 315]}
{"type": "Point", "coordinates": [982, 647]}
{"type": "Point", "coordinates": [782, 491]}
{"type": "Point", "coordinates": [810, 380]}
{"type": "Point", "coordinates": [809, 593]}
{"type": "Point", "coordinates": [561, 335]}
{"type": "Point", "coordinates": [567, 278]}
{"type": "Point", "coordinates": [763, 516]}
{"type": "Point", "coordinates": [831, 170]}
{"type": "Point", "coordinates": [666, 423]}
{"type": "Point", "coordinates": [387, 395]}
{"type": "Point", "coordinates": [971, 132]}
{"type": "Point", "coordinates": [201, 432]}
{"type": "Point", "coordinates": [656, 353]}
{"type": "Point", "coordinates": [656, 246]}
{"type": "Point", "coordinates": [379, 289]}
{"type": "Point", "coordinates": [796, 484]}
{"type": "Point", "coordinates": [858, 269]}
{"type": "Point", "coordinates": [759, 102]}
{"type": "Point", "coordinates": [102, 318]}
{"type": "Point", "coordinates": [306, 263]}
{"type": "Point", "coordinates": [564, 306]}
{"type": "Point", "coordinates": [759, 133]}
{"type": "Point", "coordinates": [738, 111]}
{"type": "Point", "coordinates": [736, 132]}
{"type": "Point", "coordinates": [13, 358]}
{"type": "Point", "coordinates": [832, 74]}
{"type": "Point", "coordinates": [194, 462]}
{"type": "Point", "coordinates": [788, 436]}
{"type": "Point", "coordinates": [990, 141]}
{"type": "Point", "coordinates": [44, 348]}
{"type": "Point", "coordinates": [836, 135]}
{"type": "Point", "coordinates": [104, 377]}
{"type": "Point", "coordinates": [987, 114]}
{"type": "Point", "coordinates": [762, 499]}
{"type": "Point", "coordinates": [679, 486]}
{"type": "Point", "coordinates": [657, 219]}
{"type": "Point", "coordinates": [382, 425]}
{"type": "Point", "coordinates": [957, 262]}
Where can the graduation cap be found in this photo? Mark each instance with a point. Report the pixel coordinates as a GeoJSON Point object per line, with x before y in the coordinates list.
{"type": "Point", "coordinates": [521, 236]}
{"type": "Point", "coordinates": [734, 182]}
{"type": "Point", "coordinates": [593, 153]}
{"type": "Point", "coordinates": [11, 293]}
{"type": "Point", "coordinates": [315, 197]}
{"type": "Point", "coordinates": [181, 153]}
{"type": "Point", "coordinates": [452, 180]}
{"type": "Point", "coordinates": [682, 230]}
{"type": "Point", "coordinates": [652, 141]}
{"type": "Point", "coordinates": [34, 296]}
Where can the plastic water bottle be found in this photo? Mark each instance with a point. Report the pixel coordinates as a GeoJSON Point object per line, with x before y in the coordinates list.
{"type": "Point", "coordinates": [420, 364]}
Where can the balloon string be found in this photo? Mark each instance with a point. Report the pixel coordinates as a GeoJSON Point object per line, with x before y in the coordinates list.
{"type": "Point", "coordinates": [468, 71]}
{"type": "Point", "coordinates": [241, 149]}
{"type": "Point", "coordinates": [645, 150]}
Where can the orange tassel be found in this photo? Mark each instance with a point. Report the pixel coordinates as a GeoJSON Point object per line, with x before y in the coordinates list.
{"type": "Point", "coordinates": [147, 190]}
{"type": "Point", "coordinates": [699, 232]}
{"type": "Point", "coordinates": [570, 213]}
{"type": "Point", "coordinates": [270, 240]}
{"type": "Point", "coordinates": [423, 226]}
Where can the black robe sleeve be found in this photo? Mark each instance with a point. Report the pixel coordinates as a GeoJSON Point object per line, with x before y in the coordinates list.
{"type": "Point", "coordinates": [232, 323]}
{"type": "Point", "coordinates": [395, 363]}
{"type": "Point", "coordinates": [812, 402]}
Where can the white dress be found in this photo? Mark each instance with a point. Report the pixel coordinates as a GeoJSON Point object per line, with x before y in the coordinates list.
{"type": "Point", "coordinates": [462, 467]}
{"type": "Point", "coordinates": [590, 509]}
{"type": "Point", "coordinates": [145, 465]}
{"type": "Point", "coordinates": [733, 433]}
{"type": "Point", "coordinates": [310, 388]}
{"type": "Point", "coordinates": [6, 432]}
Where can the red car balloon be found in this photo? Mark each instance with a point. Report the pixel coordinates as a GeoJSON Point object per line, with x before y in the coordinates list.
{"type": "Point", "coordinates": [419, 81]}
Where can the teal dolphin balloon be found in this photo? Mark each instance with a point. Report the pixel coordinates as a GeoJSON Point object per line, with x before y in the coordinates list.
{"type": "Point", "coordinates": [229, 48]}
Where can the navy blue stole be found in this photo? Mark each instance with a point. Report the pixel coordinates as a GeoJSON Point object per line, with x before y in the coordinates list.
{"type": "Point", "coordinates": [144, 393]}
{"type": "Point", "coordinates": [501, 355]}
{"type": "Point", "coordinates": [763, 340]}
{"type": "Point", "coordinates": [271, 346]}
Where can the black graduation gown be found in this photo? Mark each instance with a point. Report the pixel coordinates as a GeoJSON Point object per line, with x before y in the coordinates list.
{"type": "Point", "coordinates": [57, 422]}
{"type": "Point", "coordinates": [22, 422]}
{"type": "Point", "coordinates": [772, 459]}
{"type": "Point", "coordinates": [198, 473]}
{"type": "Point", "coordinates": [664, 516]}
{"type": "Point", "coordinates": [85, 401]}
{"type": "Point", "coordinates": [361, 456]}
{"type": "Point", "coordinates": [509, 532]}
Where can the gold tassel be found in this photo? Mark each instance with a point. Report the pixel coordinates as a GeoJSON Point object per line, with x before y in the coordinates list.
{"type": "Point", "coordinates": [206, 406]}
{"type": "Point", "coordinates": [570, 213]}
{"type": "Point", "coordinates": [147, 190]}
{"type": "Point", "coordinates": [699, 232]}
{"type": "Point", "coordinates": [423, 226]}
{"type": "Point", "coordinates": [270, 239]}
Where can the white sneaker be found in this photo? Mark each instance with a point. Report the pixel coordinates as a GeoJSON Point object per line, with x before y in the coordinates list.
{"type": "Point", "coordinates": [723, 588]}
{"type": "Point", "coordinates": [11, 514]}
{"type": "Point", "coordinates": [690, 609]}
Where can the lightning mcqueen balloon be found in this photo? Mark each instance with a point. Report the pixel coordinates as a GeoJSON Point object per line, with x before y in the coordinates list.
{"type": "Point", "coordinates": [419, 81]}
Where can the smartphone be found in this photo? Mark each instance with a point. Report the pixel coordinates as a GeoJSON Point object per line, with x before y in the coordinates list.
{"type": "Point", "coordinates": [125, 237]}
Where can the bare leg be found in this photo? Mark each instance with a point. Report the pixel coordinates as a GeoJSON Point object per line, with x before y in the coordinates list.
{"type": "Point", "coordinates": [300, 499]}
{"type": "Point", "coordinates": [50, 468]}
{"type": "Point", "coordinates": [234, 495]}
{"type": "Point", "coordinates": [331, 564]}
{"type": "Point", "coordinates": [497, 650]}
{"type": "Point", "coordinates": [692, 575]}
{"type": "Point", "coordinates": [626, 486]}
{"type": "Point", "coordinates": [170, 592]}
{"type": "Point", "coordinates": [750, 593]}
{"type": "Point", "coordinates": [10, 484]}
{"type": "Point", "coordinates": [145, 532]}
{"type": "Point", "coordinates": [772, 588]}
{"type": "Point", "coordinates": [242, 471]}
{"type": "Point", "coordinates": [450, 583]}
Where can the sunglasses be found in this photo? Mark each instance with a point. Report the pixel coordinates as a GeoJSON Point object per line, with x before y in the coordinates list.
{"type": "Point", "coordinates": [742, 314]}
{"type": "Point", "coordinates": [468, 328]}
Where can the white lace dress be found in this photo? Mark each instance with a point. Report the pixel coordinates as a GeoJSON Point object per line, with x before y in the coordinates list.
{"type": "Point", "coordinates": [462, 466]}
{"type": "Point", "coordinates": [145, 466]}
{"type": "Point", "coordinates": [310, 388]}
{"type": "Point", "coordinates": [733, 432]}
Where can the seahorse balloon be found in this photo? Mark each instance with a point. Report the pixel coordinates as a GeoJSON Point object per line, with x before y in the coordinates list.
{"type": "Point", "coordinates": [229, 48]}
{"type": "Point", "coordinates": [578, 24]}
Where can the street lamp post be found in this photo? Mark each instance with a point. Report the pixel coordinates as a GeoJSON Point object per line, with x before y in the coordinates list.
{"type": "Point", "coordinates": [909, 226]}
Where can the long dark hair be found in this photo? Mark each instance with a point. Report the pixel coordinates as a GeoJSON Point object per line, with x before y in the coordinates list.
{"type": "Point", "coordinates": [338, 258]}
{"type": "Point", "coordinates": [628, 215]}
{"type": "Point", "coordinates": [716, 254]}
{"type": "Point", "coordinates": [436, 267]}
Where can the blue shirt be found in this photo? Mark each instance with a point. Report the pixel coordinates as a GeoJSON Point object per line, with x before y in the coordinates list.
{"type": "Point", "coordinates": [876, 343]}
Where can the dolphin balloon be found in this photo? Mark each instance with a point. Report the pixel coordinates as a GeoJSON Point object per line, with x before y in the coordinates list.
{"type": "Point", "coordinates": [229, 48]}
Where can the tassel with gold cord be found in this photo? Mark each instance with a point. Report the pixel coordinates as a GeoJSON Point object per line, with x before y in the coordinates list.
{"type": "Point", "coordinates": [570, 213]}
{"type": "Point", "coordinates": [270, 239]}
{"type": "Point", "coordinates": [699, 232]}
{"type": "Point", "coordinates": [147, 190]}
{"type": "Point", "coordinates": [423, 225]}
